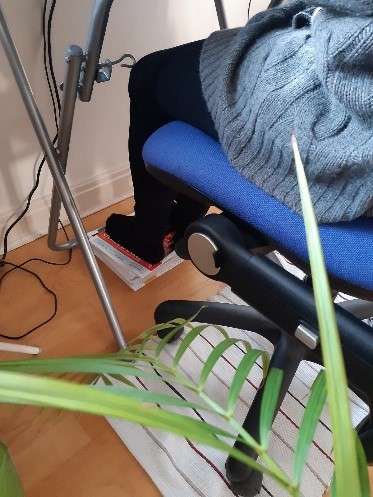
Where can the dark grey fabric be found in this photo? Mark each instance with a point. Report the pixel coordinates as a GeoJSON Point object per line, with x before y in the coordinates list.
{"type": "Point", "coordinates": [354, 7]}
{"type": "Point", "coordinates": [303, 69]}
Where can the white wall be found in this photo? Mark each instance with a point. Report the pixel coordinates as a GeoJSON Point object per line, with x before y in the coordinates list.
{"type": "Point", "coordinates": [98, 171]}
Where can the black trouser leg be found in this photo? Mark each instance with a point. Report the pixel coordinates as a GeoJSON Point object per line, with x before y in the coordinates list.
{"type": "Point", "coordinates": [164, 86]}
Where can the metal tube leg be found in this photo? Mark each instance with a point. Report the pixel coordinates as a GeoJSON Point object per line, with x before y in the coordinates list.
{"type": "Point", "coordinates": [58, 176]}
{"type": "Point", "coordinates": [54, 218]}
{"type": "Point", "coordinates": [222, 18]}
{"type": "Point", "coordinates": [74, 59]}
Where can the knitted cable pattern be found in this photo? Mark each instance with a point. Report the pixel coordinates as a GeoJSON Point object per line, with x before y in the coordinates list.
{"type": "Point", "coordinates": [302, 69]}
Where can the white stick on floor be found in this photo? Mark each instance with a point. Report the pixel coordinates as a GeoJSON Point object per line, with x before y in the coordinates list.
{"type": "Point", "coordinates": [22, 349]}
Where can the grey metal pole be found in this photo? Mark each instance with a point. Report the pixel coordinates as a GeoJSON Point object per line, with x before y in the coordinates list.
{"type": "Point", "coordinates": [222, 18]}
{"type": "Point", "coordinates": [74, 59]}
{"type": "Point", "coordinates": [80, 76]}
{"type": "Point", "coordinates": [94, 45]}
{"type": "Point", "coordinates": [58, 175]}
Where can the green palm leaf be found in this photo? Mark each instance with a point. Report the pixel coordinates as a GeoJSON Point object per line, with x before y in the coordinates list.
{"type": "Point", "coordinates": [182, 323]}
{"type": "Point", "coordinates": [10, 482]}
{"type": "Point", "coordinates": [188, 339]}
{"type": "Point", "coordinates": [17, 388]}
{"type": "Point", "coordinates": [241, 374]}
{"type": "Point", "coordinates": [346, 468]}
{"type": "Point", "coordinates": [151, 397]}
{"type": "Point", "coordinates": [363, 469]}
{"type": "Point", "coordinates": [23, 389]}
{"type": "Point", "coordinates": [269, 403]}
{"type": "Point", "coordinates": [308, 425]}
{"type": "Point", "coordinates": [215, 355]}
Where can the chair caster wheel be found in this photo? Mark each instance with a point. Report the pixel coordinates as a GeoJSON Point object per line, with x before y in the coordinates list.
{"type": "Point", "coordinates": [163, 333]}
{"type": "Point", "coordinates": [250, 487]}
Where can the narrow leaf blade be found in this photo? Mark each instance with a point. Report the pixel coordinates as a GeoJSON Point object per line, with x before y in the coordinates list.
{"type": "Point", "coordinates": [308, 425]}
{"type": "Point", "coordinates": [185, 344]}
{"type": "Point", "coordinates": [363, 469]}
{"type": "Point", "coordinates": [268, 406]}
{"type": "Point", "coordinates": [242, 372]}
{"type": "Point", "coordinates": [213, 358]}
{"type": "Point", "coordinates": [345, 457]}
{"type": "Point", "coordinates": [10, 482]}
{"type": "Point", "coordinates": [151, 397]}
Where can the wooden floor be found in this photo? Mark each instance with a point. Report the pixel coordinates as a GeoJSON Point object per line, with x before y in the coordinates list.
{"type": "Point", "coordinates": [69, 454]}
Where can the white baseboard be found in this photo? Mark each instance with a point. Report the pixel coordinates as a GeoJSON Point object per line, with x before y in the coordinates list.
{"type": "Point", "coordinates": [91, 196]}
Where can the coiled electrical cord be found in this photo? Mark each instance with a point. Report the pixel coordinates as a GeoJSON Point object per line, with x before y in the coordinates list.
{"type": "Point", "coordinates": [53, 89]}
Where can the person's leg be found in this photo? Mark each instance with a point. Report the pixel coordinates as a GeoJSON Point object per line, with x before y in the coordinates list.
{"type": "Point", "coordinates": [163, 87]}
{"type": "Point", "coordinates": [184, 101]}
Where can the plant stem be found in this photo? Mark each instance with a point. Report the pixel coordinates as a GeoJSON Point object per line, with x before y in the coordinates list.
{"type": "Point", "coordinates": [273, 469]}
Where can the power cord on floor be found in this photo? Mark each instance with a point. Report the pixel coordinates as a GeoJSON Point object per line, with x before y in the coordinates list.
{"type": "Point", "coordinates": [23, 213]}
{"type": "Point", "coordinates": [52, 84]}
{"type": "Point", "coordinates": [22, 267]}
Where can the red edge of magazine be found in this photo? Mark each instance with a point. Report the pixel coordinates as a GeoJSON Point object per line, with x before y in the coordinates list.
{"type": "Point", "coordinates": [167, 245]}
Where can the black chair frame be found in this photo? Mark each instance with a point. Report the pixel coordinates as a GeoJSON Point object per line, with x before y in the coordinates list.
{"type": "Point", "coordinates": [281, 308]}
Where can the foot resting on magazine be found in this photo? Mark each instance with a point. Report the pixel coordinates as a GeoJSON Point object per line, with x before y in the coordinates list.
{"type": "Point", "coordinates": [150, 247]}
{"type": "Point", "coordinates": [149, 244]}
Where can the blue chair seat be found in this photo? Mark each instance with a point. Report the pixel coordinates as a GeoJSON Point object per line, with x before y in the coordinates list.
{"type": "Point", "coordinates": [197, 160]}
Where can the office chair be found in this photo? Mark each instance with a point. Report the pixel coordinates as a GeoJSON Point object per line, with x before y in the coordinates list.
{"type": "Point", "coordinates": [235, 247]}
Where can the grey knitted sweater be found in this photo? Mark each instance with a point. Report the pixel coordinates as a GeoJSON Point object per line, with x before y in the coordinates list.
{"type": "Point", "coordinates": [301, 68]}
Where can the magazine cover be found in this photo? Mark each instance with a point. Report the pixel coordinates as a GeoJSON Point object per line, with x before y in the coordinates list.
{"type": "Point", "coordinates": [128, 266]}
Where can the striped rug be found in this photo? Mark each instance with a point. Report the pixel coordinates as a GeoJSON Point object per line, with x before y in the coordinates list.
{"type": "Point", "coordinates": [180, 467]}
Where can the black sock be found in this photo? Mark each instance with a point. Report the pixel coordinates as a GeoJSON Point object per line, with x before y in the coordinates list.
{"type": "Point", "coordinates": [126, 231]}
{"type": "Point", "coordinates": [143, 238]}
{"type": "Point", "coordinates": [184, 212]}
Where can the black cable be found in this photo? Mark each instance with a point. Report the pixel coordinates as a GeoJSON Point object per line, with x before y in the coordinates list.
{"type": "Point", "coordinates": [248, 10]}
{"type": "Point", "coordinates": [14, 267]}
{"type": "Point", "coordinates": [48, 61]}
{"type": "Point", "coordinates": [20, 266]}
{"type": "Point", "coordinates": [23, 213]}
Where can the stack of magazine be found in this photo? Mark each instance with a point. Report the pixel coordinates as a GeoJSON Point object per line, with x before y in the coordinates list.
{"type": "Point", "coordinates": [135, 272]}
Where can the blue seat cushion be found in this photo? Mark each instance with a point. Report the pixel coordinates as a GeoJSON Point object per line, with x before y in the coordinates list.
{"type": "Point", "coordinates": [199, 161]}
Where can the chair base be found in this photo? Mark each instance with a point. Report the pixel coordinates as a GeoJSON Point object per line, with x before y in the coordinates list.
{"type": "Point", "coordinates": [287, 355]}
{"type": "Point", "coordinates": [282, 310]}
{"type": "Point", "coordinates": [214, 313]}
{"type": "Point", "coordinates": [251, 487]}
